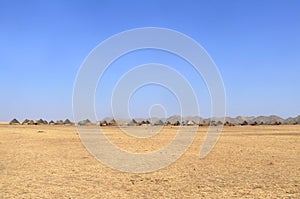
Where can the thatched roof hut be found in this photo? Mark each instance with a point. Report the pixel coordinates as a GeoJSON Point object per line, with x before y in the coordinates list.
{"type": "Point", "coordinates": [68, 122]}
{"type": "Point", "coordinates": [41, 121]}
{"type": "Point", "coordinates": [31, 122]}
{"type": "Point", "coordinates": [14, 121]}
{"type": "Point", "coordinates": [85, 122]}
{"type": "Point", "coordinates": [190, 123]}
{"type": "Point", "coordinates": [59, 122]}
{"type": "Point", "coordinates": [25, 122]}
{"type": "Point", "coordinates": [28, 122]}
{"type": "Point", "coordinates": [159, 123]}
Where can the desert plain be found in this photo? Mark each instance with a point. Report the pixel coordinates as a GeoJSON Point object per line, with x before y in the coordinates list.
{"type": "Point", "coordinates": [46, 161]}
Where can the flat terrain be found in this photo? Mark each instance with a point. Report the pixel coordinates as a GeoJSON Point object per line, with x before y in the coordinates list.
{"type": "Point", "coordinates": [248, 162]}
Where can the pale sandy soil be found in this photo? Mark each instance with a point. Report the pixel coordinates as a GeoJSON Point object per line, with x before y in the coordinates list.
{"type": "Point", "coordinates": [247, 162]}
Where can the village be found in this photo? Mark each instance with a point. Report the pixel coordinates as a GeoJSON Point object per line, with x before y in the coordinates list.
{"type": "Point", "coordinates": [171, 121]}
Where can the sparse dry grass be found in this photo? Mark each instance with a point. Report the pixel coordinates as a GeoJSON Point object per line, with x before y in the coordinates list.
{"type": "Point", "coordinates": [247, 162]}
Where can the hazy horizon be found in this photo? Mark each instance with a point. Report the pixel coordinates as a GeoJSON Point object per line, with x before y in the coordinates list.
{"type": "Point", "coordinates": [108, 118]}
{"type": "Point", "coordinates": [255, 45]}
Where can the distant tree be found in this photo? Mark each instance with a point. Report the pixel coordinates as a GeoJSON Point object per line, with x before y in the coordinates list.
{"type": "Point", "coordinates": [277, 123]}
{"type": "Point", "coordinates": [167, 123]}
{"type": "Point", "coordinates": [142, 122]}
{"type": "Point", "coordinates": [103, 123]}
{"type": "Point", "coordinates": [112, 122]}
{"type": "Point", "coordinates": [254, 123]}
{"type": "Point", "coordinates": [134, 121]}
{"type": "Point", "coordinates": [177, 123]}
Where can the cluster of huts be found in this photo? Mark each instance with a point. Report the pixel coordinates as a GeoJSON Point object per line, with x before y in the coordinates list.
{"type": "Point", "coordinates": [41, 122]}
{"type": "Point", "coordinates": [134, 122]}
{"type": "Point", "coordinates": [112, 122]}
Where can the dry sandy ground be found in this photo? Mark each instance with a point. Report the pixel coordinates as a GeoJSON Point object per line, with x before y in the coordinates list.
{"type": "Point", "coordinates": [247, 162]}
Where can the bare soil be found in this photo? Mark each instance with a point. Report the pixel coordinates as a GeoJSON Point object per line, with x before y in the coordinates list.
{"type": "Point", "coordinates": [247, 162]}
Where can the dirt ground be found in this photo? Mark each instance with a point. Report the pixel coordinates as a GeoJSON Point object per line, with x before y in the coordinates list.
{"type": "Point", "coordinates": [247, 162]}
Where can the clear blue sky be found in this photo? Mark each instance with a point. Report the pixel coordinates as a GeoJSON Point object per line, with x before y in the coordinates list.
{"type": "Point", "coordinates": [255, 44]}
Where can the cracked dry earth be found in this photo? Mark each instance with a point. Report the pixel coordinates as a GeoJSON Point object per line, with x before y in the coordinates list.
{"type": "Point", "coordinates": [247, 162]}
